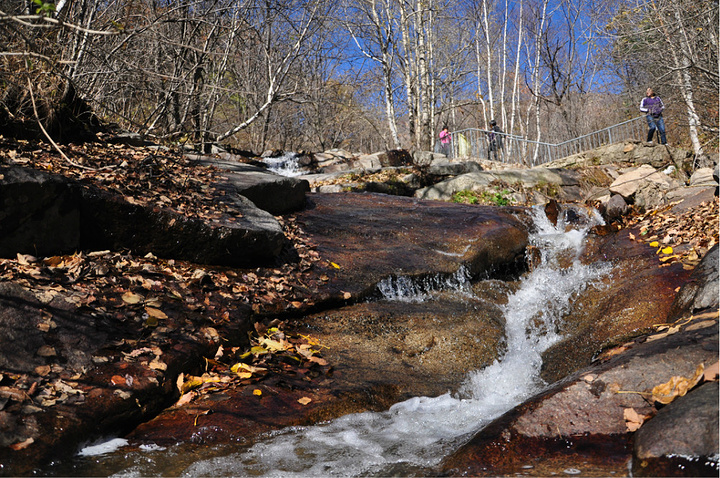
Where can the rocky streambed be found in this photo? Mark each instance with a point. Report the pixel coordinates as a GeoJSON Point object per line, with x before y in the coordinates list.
{"type": "Point", "coordinates": [125, 370]}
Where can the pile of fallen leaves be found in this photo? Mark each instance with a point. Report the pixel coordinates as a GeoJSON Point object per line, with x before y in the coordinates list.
{"type": "Point", "coordinates": [158, 296]}
{"type": "Point", "coordinates": [272, 351]}
{"type": "Point", "coordinates": [683, 237]}
{"type": "Point", "coordinates": [154, 176]}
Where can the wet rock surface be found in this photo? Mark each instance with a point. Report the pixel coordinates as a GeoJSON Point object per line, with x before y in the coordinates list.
{"type": "Point", "coordinates": [377, 236]}
{"type": "Point", "coordinates": [682, 439]}
{"type": "Point", "coordinates": [636, 295]}
{"type": "Point", "coordinates": [424, 349]}
{"type": "Point", "coordinates": [582, 421]}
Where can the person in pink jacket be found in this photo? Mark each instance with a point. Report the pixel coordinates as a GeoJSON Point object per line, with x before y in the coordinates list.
{"type": "Point", "coordinates": [445, 142]}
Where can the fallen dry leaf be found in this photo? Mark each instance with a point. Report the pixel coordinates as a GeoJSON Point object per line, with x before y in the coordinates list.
{"type": "Point", "coordinates": [23, 444]}
{"type": "Point", "coordinates": [155, 313]}
{"type": "Point", "coordinates": [131, 298]}
{"type": "Point", "coordinates": [633, 420]}
{"type": "Point", "coordinates": [711, 373]}
{"type": "Point", "coordinates": [677, 386]}
{"type": "Point", "coordinates": [304, 400]}
{"type": "Point", "coordinates": [157, 364]}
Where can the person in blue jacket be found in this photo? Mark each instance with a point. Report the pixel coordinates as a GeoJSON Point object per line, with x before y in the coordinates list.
{"type": "Point", "coordinates": [653, 108]}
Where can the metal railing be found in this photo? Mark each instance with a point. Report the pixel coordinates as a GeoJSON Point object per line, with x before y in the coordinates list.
{"type": "Point", "coordinates": [513, 149]}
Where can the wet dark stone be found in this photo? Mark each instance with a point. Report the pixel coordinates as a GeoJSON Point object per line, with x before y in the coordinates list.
{"type": "Point", "coordinates": [701, 290]}
{"type": "Point", "coordinates": [373, 236]}
{"type": "Point", "coordinates": [682, 439]}
{"type": "Point", "coordinates": [591, 417]}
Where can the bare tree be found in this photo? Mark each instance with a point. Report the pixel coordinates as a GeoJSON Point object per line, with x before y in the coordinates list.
{"type": "Point", "coordinates": [372, 26]}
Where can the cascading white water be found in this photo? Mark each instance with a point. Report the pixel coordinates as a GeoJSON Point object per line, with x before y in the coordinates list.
{"type": "Point", "coordinates": [285, 165]}
{"type": "Point", "coordinates": [406, 289]}
{"type": "Point", "coordinates": [419, 432]}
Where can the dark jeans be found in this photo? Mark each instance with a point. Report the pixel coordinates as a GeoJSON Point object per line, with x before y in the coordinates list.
{"type": "Point", "coordinates": [653, 124]}
{"type": "Point", "coordinates": [445, 149]}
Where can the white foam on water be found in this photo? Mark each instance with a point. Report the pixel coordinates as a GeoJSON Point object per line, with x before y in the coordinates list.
{"type": "Point", "coordinates": [285, 165]}
{"type": "Point", "coordinates": [409, 289]}
{"type": "Point", "coordinates": [421, 431]}
{"type": "Point", "coordinates": [103, 448]}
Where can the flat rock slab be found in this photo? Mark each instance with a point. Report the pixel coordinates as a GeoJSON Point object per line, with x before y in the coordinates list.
{"type": "Point", "coordinates": [475, 181]}
{"type": "Point", "coordinates": [370, 237]}
{"type": "Point", "coordinates": [424, 348]}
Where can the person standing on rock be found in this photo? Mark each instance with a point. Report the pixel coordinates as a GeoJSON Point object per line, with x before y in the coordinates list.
{"type": "Point", "coordinates": [653, 107]}
{"type": "Point", "coordinates": [495, 140]}
{"type": "Point", "coordinates": [445, 141]}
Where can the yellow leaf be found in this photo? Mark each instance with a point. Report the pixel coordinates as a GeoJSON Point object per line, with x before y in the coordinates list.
{"type": "Point", "coordinates": [190, 383]}
{"type": "Point", "coordinates": [258, 350]}
{"type": "Point", "coordinates": [195, 422]}
{"type": "Point", "coordinates": [273, 345]}
{"type": "Point", "coordinates": [131, 298]}
{"type": "Point", "coordinates": [654, 244]}
{"type": "Point", "coordinates": [335, 265]}
{"type": "Point", "coordinates": [246, 371]}
{"type": "Point", "coordinates": [157, 313]}
{"type": "Point", "coordinates": [304, 400]}
{"type": "Point", "coordinates": [667, 250]}
{"type": "Point", "coordinates": [154, 302]}
{"type": "Point", "coordinates": [257, 392]}
{"type": "Point", "coordinates": [677, 386]}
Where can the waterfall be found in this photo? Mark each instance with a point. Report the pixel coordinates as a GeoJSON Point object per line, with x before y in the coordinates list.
{"type": "Point", "coordinates": [285, 165]}
{"type": "Point", "coordinates": [407, 289]}
{"type": "Point", "coordinates": [416, 434]}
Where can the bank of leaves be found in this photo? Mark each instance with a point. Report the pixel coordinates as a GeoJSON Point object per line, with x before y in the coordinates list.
{"type": "Point", "coordinates": [157, 298]}
{"type": "Point", "coordinates": [683, 236]}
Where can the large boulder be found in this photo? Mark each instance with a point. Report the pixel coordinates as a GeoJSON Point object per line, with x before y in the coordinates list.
{"type": "Point", "coordinates": [268, 191]}
{"type": "Point", "coordinates": [410, 238]}
{"type": "Point", "coordinates": [422, 347]}
{"type": "Point", "coordinates": [39, 213]}
{"type": "Point", "coordinates": [632, 153]}
{"type": "Point", "coordinates": [682, 439]}
{"type": "Point", "coordinates": [634, 180]}
{"type": "Point", "coordinates": [702, 290]}
{"type": "Point", "coordinates": [44, 214]}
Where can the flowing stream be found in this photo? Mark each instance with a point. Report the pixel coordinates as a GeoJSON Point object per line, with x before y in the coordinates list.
{"type": "Point", "coordinates": [413, 436]}
{"type": "Point", "coordinates": [285, 165]}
